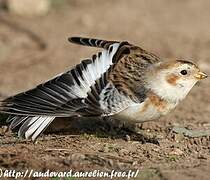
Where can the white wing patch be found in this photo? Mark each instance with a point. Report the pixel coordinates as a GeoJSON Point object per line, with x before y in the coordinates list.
{"type": "Point", "coordinates": [56, 92]}
{"type": "Point", "coordinates": [34, 126]}
{"type": "Point", "coordinates": [100, 64]}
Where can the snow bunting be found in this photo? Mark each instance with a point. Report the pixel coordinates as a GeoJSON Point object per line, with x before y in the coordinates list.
{"type": "Point", "coordinates": [123, 81]}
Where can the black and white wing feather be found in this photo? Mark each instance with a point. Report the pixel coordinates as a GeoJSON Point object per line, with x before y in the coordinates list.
{"type": "Point", "coordinates": [76, 92]}
{"type": "Point", "coordinates": [62, 95]}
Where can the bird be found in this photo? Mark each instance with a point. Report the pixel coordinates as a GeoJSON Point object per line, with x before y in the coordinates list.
{"type": "Point", "coordinates": [122, 81]}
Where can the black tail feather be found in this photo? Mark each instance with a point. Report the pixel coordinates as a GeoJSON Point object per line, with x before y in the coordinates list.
{"type": "Point", "coordinates": [91, 42]}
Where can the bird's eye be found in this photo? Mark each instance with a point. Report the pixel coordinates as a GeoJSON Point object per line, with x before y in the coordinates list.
{"type": "Point", "coordinates": [183, 72]}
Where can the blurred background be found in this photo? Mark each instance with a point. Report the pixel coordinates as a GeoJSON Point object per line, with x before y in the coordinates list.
{"type": "Point", "coordinates": [34, 48]}
{"type": "Point", "coordinates": [33, 33]}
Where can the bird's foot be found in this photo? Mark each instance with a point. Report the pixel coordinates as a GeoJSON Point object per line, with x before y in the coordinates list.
{"type": "Point", "coordinates": [135, 133]}
{"type": "Point", "coordinates": [129, 131]}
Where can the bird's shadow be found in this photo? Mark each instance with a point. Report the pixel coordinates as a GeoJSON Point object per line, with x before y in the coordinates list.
{"type": "Point", "coordinates": [101, 128]}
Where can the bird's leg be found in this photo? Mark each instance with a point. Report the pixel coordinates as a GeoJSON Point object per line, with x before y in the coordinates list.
{"type": "Point", "coordinates": [112, 125]}
{"type": "Point", "coordinates": [129, 130]}
{"type": "Point", "coordinates": [135, 132]}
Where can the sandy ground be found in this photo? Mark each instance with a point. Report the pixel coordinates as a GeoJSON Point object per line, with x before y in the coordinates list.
{"type": "Point", "coordinates": [35, 49]}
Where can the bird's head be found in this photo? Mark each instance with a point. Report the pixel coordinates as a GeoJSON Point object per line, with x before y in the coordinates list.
{"type": "Point", "coordinates": [173, 80]}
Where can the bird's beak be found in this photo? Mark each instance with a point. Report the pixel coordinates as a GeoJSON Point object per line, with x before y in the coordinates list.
{"type": "Point", "coordinates": [200, 75]}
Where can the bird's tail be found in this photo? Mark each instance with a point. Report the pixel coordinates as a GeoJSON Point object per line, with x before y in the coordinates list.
{"type": "Point", "coordinates": [91, 42]}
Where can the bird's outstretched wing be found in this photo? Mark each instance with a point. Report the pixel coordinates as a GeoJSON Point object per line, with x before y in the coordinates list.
{"type": "Point", "coordinates": [98, 86]}
{"type": "Point", "coordinates": [67, 94]}
{"type": "Point", "coordinates": [62, 95]}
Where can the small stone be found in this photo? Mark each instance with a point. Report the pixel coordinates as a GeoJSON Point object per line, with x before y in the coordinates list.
{"type": "Point", "coordinates": [5, 129]}
{"type": "Point", "coordinates": [104, 149]}
{"type": "Point", "coordinates": [123, 152]}
{"type": "Point", "coordinates": [78, 156]}
{"type": "Point", "coordinates": [202, 156]}
{"type": "Point", "coordinates": [178, 137]}
{"type": "Point", "coordinates": [156, 149]}
{"type": "Point", "coordinates": [177, 152]}
{"type": "Point", "coordinates": [134, 163]}
{"type": "Point", "coordinates": [127, 138]}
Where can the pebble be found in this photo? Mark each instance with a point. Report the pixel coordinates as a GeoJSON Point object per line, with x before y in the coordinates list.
{"type": "Point", "coordinates": [127, 138]}
{"type": "Point", "coordinates": [178, 137]}
{"type": "Point", "coordinates": [177, 152]}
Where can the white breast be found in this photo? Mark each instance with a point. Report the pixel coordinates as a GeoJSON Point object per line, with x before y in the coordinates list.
{"type": "Point", "coordinates": [145, 111]}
